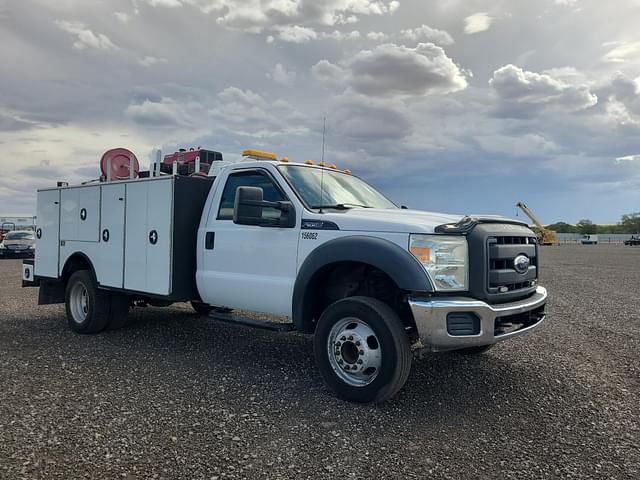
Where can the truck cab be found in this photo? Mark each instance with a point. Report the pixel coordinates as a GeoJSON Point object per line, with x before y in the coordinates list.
{"type": "Point", "coordinates": [319, 246]}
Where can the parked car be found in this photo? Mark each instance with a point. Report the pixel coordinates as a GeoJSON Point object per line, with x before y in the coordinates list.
{"type": "Point", "coordinates": [633, 240]}
{"type": "Point", "coordinates": [18, 243]}
{"type": "Point", "coordinates": [589, 240]}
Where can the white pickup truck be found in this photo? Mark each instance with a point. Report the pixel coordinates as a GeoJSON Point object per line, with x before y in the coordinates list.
{"type": "Point", "coordinates": [371, 281]}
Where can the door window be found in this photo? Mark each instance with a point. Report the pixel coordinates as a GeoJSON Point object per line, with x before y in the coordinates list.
{"type": "Point", "coordinates": [249, 179]}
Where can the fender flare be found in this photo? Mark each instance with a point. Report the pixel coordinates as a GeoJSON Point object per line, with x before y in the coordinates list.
{"type": "Point", "coordinates": [82, 256]}
{"type": "Point", "coordinates": [398, 263]}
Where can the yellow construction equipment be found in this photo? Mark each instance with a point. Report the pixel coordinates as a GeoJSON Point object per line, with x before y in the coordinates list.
{"type": "Point", "coordinates": [545, 236]}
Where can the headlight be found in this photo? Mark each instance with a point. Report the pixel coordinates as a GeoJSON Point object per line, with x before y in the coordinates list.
{"type": "Point", "coordinates": [445, 258]}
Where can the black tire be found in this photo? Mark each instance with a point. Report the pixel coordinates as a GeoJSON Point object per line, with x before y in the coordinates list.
{"type": "Point", "coordinates": [201, 308]}
{"type": "Point", "coordinates": [395, 349]}
{"type": "Point", "coordinates": [475, 350]}
{"type": "Point", "coordinates": [97, 311]}
{"type": "Point", "coordinates": [119, 311]}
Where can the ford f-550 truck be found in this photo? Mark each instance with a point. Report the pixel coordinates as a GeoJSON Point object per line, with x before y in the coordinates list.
{"type": "Point", "coordinates": [369, 280]}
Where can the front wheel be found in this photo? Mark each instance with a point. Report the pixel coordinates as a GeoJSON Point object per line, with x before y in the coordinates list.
{"type": "Point", "coordinates": [362, 350]}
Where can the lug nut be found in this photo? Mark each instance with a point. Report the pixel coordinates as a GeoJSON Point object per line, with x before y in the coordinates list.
{"type": "Point", "coordinates": [338, 344]}
{"type": "Point", "coordinates": [340, 362]}
{"type": "Point", "coordinates": [343, 338]}
{"type": "Point", "coordinates": [359, 362]}
{"type": "Point", "coordinates": [361, 352]}
{"type": "Point", "coordinates": [350, 337]}
{"type": "Point", "coordinates": [357, 344]}
{"type": "Point", "coordinates": [346, 367]}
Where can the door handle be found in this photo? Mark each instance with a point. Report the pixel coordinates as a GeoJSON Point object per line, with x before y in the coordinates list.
{"type": "Point", "coordinates": [209, 239]}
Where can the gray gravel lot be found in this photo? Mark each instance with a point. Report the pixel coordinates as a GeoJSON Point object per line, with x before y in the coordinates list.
{"type": "Point", "coordinates": [175, 395]}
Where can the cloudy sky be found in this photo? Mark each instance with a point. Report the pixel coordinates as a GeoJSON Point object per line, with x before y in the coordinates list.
{"type": "Point", "coordinates": [462, 106]}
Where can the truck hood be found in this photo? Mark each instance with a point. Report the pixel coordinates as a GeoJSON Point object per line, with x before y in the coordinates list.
{"type": "Point", "coordinates": [396, 220]}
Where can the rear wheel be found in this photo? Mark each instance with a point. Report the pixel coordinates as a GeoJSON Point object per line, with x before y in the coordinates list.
{"type": "Point", "coordinates": [88, 308]}
{"type": "Point", "coordinates": [362, 350]}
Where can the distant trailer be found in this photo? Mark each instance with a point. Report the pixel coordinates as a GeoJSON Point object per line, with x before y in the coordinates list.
{"type": "Point", "coordinates": [589, 240]}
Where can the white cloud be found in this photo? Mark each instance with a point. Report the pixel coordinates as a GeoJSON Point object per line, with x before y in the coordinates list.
{"type": "Point", "coordinates": [478, 22]}
{"type": "Point", "coordinates": [329, 74]}
{"type": "Point", "coordinates": [628, 158]}
{"type": "Point", "coordinates": [425, 33]}
{"type": "Point", "coordinates": [377, 36]}
{"type": "Point", "coordinates": [296, 34]}
{"type": "Point", "coordinates": [566, 2]}
{"type": "Point", "coordinates": [257, 15]}
{"type": "Point", "coordinates": [394, 70]}
{"type": "Point", "coordinates": [523, 93]}
{"type": "Point", "coordinates": [421, 34]}
{"type": "Point", "coordinates": [165, 3]}
{"type": "Point", "coordinates": [122, 17]}
{"type": "Point", "coordinates": [149, 61]}
{"type": "Point", "coordinates": [163, 112]}
{"type": "Point", "coordinates": [337, 35]}
{"type": "Point", "coordinates": [622, 52]}
{"type": "Point", "coordinates": [232, 112]}
{"type": "Point", "coordinates": [86, 39]}
{"type": "Point", "coordinates": [280, 75]}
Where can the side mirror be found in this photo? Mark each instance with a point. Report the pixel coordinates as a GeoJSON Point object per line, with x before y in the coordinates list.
{"type": "Point", "coordinates": [248, 205]}
{"type": "Point", "coordinates": [247, 208]}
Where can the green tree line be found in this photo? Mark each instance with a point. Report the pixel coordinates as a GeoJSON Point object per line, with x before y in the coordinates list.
{"type": "Point", "coordinates": [629, 223]}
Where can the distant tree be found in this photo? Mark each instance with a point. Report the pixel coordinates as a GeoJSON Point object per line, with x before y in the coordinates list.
{"type": "Point", "coordinates": [586, 227]}
{"type": "Point", "coordinates": [630, 223]}
{"type": "Point", "coordinates": [562, 227]}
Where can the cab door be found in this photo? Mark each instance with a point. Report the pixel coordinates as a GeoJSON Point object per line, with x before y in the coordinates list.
{"type": "Point", "coordinates": [247, 266]}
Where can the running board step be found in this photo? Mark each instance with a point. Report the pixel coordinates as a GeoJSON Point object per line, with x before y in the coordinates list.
{"type": "Point", "coordinates": [252, 322]}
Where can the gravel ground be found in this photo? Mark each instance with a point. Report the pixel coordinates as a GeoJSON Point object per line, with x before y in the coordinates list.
{"type": "Point", "coordinates": [174, 395]}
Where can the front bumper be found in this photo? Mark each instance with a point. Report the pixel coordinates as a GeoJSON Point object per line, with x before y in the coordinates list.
{"type": "Point", "coordinates": [496, 322]}
{"type": "Point", "coordinates": [6, 253]}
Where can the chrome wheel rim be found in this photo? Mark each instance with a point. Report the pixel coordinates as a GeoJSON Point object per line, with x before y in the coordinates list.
{"type": "Point", "coordinates": [354, 352]}
{"type": "Point", "coordinates": [79, 302]}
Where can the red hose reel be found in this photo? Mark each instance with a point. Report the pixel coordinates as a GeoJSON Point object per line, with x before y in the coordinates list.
{"type": "Point", "coordinates": [120, 159]}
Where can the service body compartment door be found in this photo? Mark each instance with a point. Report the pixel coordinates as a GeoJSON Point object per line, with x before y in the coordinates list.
{"type": "Point", "coordinates": [69, 213]}
{"type": "Point", "coordinates": [148, 236]}
{"type": "Point", "coordinates": [89, 214]}
{"type": "Point", "coordinates": [47, 233]}
{"type": "Point", "coordinates": [80, 213]}
{"type": "Point", "coordinates": [159, 217]}
{"type": "Point", "coordinates": [135, 251]}
{"type": "Point", "coordinates": [111, 252]}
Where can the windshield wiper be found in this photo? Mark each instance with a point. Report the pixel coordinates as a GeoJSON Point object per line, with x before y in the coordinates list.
{"type": "Point", "coordinates": [340, 206]}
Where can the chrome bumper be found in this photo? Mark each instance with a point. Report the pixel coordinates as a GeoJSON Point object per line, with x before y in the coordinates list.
{"type": "Point", "coordinates": [431, 314]}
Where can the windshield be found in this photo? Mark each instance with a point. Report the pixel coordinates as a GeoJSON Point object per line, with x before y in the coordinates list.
{"type": "Point", "coordinates": [19, 236]}
{"type": "Point", "coordinates": [339, 190]}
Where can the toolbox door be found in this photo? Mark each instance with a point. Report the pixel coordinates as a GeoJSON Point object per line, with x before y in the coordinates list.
{"type": "Point", "coordinates": [47, 233]}
{"type": "Point", "coordinates": [135, 252]}
{"type": "Point", "coordinates": [159, 232]}
{"type": "Point", "coordinates": [111, 253]}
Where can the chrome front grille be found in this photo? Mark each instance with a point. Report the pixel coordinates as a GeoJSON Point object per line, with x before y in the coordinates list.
{"type": "Point", "coordinates": [502, 276]}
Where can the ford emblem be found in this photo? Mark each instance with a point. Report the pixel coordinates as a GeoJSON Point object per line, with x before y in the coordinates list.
{"type": "Point", "coordinates": [521, 264]}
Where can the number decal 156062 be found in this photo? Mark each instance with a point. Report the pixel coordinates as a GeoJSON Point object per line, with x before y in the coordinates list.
{"type": "Point", "coordinates": [309, 235]}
